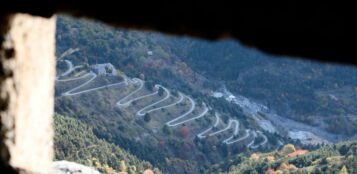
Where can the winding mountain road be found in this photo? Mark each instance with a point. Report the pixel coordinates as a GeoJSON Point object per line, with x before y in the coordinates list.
{"type": "Point", "coordinates": [70, 68]}
{"type": "Point", "coordinates": [126, 101]}
{"type": "Point", "coordinates": [254, 134]}
{"type": "Point", "coordinates": [265, 140]}
{"type": "Point", "coordinates": [69, 93]}
{"type": "Point", "coordinates": [142, 111]}
{"type": "Point", "coordinates": [230, 124]}
{"type": "Point", "coordinates": [74, 78]}
{"type": "Point", "coordinates": [231, 141]}
{"type": "Point", "coordinates": [201, 135]}
{"type": "Point", "coordinates": [193, 106]}
{"type": "Point", "coordinates": [193, 118]}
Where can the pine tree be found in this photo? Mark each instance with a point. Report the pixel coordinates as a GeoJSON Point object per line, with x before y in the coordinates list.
{"type": "Point", "coordinates": [147, 118]}
{"type": "Point", "coordinates": [166, 129]}
{"type": "Point", "coordinates": [160, 91]}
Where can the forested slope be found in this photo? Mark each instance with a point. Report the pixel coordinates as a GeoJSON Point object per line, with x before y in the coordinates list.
{"type": "Point", "coordinates": [75, 141]}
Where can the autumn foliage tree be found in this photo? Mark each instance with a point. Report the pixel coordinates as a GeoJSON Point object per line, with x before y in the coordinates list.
{"type": "Point", "coordinates": [122, 166]}
{"type": "Point", "coordinates": [184, 131]}
{"type": "Point", "coordinates": [288, 148]}
{"type": "Point", "coordinates": [343, 170]}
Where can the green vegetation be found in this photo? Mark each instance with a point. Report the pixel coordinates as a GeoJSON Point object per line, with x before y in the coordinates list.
{"type": "Point", "coordinates": [147, 117]}
{"type": "Point", "coordinates": [160, 91]}
{"type": "Point", "coordinates": [95, 132]}
{"type": "Point", "coordinates": [339, 158]}
{"type": "Point", "coordinates": [166, 129]}
{"type": "Point", "coordinates": [294, 88]}
{"type": "Point", "coordinates": [126, 50]}
{"type": "Point", "coordinates": [75, 141]}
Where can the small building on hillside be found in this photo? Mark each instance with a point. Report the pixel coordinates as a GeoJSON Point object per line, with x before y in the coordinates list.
{"type": "Point", "coordinates": [231, 98]}
{"type": "Point", "coordinates": [217, 94]}
{"type": "Point", "coordinates": [104, 69]}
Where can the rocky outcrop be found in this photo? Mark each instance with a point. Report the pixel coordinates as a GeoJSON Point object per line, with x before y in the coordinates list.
{"type": "Point", "coordinates": [66, 167]}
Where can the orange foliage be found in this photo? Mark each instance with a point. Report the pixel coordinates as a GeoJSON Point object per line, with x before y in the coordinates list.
{"type": "Point", "coordinates": [287, 167]}
{"type": "Point", "coordinates": [270, 158]}
{"type": "Point", "coordinates": [148, 171]}
{"type": "Point", "coordinates": [298, 153]}
{"type": "Point", "coordinates": [184, 131]}
{"type": "Point", "coordinates": [271, 171]}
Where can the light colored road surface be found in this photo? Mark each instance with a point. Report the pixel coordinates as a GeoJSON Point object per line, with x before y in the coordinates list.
{"type": "Point", "coordinates": [202, 134]}
{"type": "Point", "coordinates": [181, 97]}
{"type": "Point", "coordinates": [67, 53]}
{"type": "Point", "coordinates": [193, 118]}
{"type": "Point", "coordinates": [121, 102]}
{"type": "Point", "coordinates": [254, 134]}
{"type": "Point", "coordinates": [70, 68]}
{"type": "Point", "coordinates": [231, 141]}
{"type": "Point", "coordinates": [230, 124]}
{"type": "Point", "coordinates": [75, 78]}
{"type": "Point", "coordinates": [193, 106]}
{"type": "Point", "coordinates": [69, 93]}
{"type": "Point", "coordinates": [125, 101]}
{"type": "Point", "coordinates": [142, 111]}
{"type": "Point", "coordinates": [124, 83]}
{"type": "Point", "coordinates": [265, 140]}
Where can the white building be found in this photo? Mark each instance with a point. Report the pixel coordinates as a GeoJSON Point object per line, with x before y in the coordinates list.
{"type": "Point", "coordinates": [231, 98]}
{"type": "Point", "coordinates": [217, 94]}
{"type": "Point", "coordinates": [104, 69]}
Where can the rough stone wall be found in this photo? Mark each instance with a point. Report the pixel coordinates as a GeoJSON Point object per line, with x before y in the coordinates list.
{"type": "Point", "coordinates": [27, 72]}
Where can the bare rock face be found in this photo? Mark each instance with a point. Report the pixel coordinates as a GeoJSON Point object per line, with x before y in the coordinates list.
{"type": "Point", "coordinates": [27, 72]}
{"type": "Point", "coordinates": [66, 167]}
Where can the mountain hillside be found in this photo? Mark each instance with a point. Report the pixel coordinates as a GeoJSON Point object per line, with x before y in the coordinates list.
{"type": "Point", "coordinates": [75, 141]}
{"type": "Point", "coordinates": [145, 117]}
{"type": "Point", "coordinates": [332, 159]}
{"type": "Point", "coordinates": [188, 105]}
{"type": "Point", "coordinates": [309, 92]}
